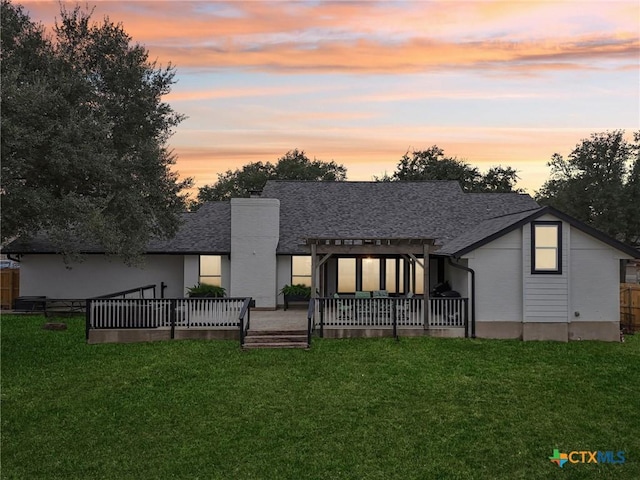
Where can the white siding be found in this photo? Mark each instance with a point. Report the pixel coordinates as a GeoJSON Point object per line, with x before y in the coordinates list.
{"type": "Point", "coordinates": [498, 267]}
{"type": "Point", "coordinates": [98, 275]}
{"type": "Point", "coordinates": [546, 296]}
{"type": "Point", "coordinates": [191, 272]}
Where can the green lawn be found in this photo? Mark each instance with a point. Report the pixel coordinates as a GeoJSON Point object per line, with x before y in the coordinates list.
{"type": "Point", "coordinates": [354, 409]}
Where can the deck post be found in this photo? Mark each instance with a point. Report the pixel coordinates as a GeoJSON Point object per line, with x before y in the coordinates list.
{"type": "Point", "coordinates": [314, 267]}
{"type": "Point", "coordinates": [425, 283]}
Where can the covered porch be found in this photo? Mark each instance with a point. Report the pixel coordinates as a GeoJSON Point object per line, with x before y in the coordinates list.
{"type": "Point", "coordinates": [383, 286]}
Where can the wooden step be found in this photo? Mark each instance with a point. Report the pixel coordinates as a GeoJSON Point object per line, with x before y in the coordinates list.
{"type": "Point", "coordinates": [275, 339]}
{"type": "Point", "coordinates": [253, 346]}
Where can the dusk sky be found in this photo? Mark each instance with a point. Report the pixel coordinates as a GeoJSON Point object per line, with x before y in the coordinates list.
{"type": "Point", "coordinates": [360, 83]}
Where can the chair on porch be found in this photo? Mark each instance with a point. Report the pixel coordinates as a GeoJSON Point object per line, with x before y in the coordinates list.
{"type": "Point", "coordinates": [403, 306]}
{"type": "Point", "coordinates": [344, 310]}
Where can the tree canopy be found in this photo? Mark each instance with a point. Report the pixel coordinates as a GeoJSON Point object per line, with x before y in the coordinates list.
{"type": "Point", "coordinates": [432, 164]}
{"type": "Point", "coordinates": [599, 183]}
{"type": "Point", "coordinates": [294, 165]}
{"type": "Point", "coordinates": [84, 135]}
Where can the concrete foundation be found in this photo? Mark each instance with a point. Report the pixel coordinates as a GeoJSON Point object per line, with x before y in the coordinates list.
{"type": "Point", "coordinates": [501, 330]}
{"type": "Point", "coordinates": [135, 335]}
{"type": "Point", "coordinates": [545, 331]}
{"type": "Point", "coordinates": [605, 331]}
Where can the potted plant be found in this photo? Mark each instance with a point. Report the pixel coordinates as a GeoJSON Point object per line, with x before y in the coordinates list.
{"type": "Point", "coordinates": [295, 293]}
{"type": "Point", "coordinates": [204, 290]}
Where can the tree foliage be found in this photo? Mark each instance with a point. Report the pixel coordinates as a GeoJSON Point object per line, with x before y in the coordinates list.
{"type": "Point", "coordinates": [432, 164]}
{"type": "Point", "coordinates": [294, 165]}
{"type": "Point", "coordinates": [598, 183]}
{"type": "Point", "coordinates": [84, 136]}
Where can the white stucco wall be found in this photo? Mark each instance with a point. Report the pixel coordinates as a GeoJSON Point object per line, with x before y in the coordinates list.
{"type": "Point", "coordinates": [498, 267]}
{"type": "Point", "coordinates": [191, 272]}
{"type": "Point", "coordinates": [255, 226]}
{"type": "Point", "coordinates": [98, 275]}
{"type": "Point", "coordinates": [594, 286]}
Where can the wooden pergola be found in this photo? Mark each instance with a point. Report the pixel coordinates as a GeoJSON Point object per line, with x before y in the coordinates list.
{"type": "Point", "coordinates": [323, 248]}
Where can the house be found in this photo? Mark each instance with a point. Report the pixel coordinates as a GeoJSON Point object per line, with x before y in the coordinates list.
{"type": "Point", "coordinates": [521, 270]}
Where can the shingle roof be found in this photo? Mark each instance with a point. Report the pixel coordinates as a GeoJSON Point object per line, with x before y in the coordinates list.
{"type": "Point", "coordinates": [206, 231]}
{"type": "Point", "coordinates": [437, 210]}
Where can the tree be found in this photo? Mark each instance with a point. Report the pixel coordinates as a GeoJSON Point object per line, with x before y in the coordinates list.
{"type": "Point", "coordinates": [294, 165]}
{"type": "Point", "coordinates": [598, 183]}
{"type": "Point", "coordinates": [432, 164]}
{"type": "Point", "coordinates": [84, 136]}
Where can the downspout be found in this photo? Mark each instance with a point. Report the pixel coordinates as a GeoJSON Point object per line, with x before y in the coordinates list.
{"type": "Point", "coordinates": [15, 259]}
{"type": "Point", "coordinates": [473, 293]}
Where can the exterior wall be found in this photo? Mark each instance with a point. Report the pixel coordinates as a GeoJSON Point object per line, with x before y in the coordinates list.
{"type": "Point", "coordinates": [255, 226]}
{"type": "Point", "coordinates": [458, 279]}
{"type": "Point", "coordinates": [546, 296]}
{"type": "Point", "coordinates": [191, 272]}
{"type": "Point", "coordinates": [284, 275]}
{"type": "Point", "coordinates": [98, 275]}
{"type": "Point", "coordinates": [498, 267]}
{"type": "Point", "coordinates": [594, 289]}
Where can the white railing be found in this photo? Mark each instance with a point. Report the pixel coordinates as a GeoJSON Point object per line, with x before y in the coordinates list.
{"type": "Point", "coordinates": [386, 312]}
{"type": "Point", "coordinates": [370, 312]}
{"type": "Point", "coordinates": [448, 312]}
{"type": "Point", "coordinates": [158, 313]}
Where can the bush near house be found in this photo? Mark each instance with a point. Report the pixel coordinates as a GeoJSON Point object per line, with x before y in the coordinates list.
{"type": "Point", "coordinates": [206, 290]}
{"type": "Point", "coordinates": [353, 408]}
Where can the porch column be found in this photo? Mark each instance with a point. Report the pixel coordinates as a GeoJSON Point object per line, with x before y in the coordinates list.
{"type": "Point", "coordinates": [425, 283]}
{"type": "Point", "coordinates": [314, 267]}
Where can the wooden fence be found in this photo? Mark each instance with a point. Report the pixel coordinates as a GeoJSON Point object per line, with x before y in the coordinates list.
{"type": "Point", "coordinates": [630, 307]}
{"type": "Point", "coordinates": [9, 286]}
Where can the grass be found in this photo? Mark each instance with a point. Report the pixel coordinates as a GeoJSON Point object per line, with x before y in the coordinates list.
{"type": "Point", "coordinates": [347, 409]}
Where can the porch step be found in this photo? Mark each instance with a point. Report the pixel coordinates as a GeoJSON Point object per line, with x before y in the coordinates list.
{"type": "Point", "coordinates": [275, 339]}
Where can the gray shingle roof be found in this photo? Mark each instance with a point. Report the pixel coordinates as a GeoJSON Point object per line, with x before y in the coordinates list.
{"type": "Point", "coordinates": [206, 231]}
{"type": "Point", "coordinates": [422, 210]}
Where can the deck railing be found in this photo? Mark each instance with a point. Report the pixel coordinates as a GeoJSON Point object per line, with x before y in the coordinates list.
{"type": "Point", "coordinates": [147, 291]}
{"type": "Point", "coordinates": [389, 312]}
{"type": "Point", "coordinates": [119, 313]}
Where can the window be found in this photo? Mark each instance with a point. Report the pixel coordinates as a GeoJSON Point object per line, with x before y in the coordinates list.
{"type": "Point", "coordinates": [546, 247]}
{"type": "Point", "coordinates": [211, 270]}
{"type": "Point", "coordinates": [370, 274]}
{"type": "Point", "coordinates": [301, 271]}
{"type": "Point", "coordinates": [346, 275]}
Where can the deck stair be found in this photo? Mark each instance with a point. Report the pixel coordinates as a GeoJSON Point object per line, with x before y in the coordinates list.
{"type": "Point", "coordinates": [275, 339]}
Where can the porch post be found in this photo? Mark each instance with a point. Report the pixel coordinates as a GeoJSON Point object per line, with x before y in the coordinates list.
{"type": "Point", "coordinates": [314, 267]}
{"type": "Point", "coordinates": [425, 283]}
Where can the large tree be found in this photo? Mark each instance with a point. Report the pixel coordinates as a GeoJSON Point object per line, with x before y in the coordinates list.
{"type": "Point", "coordinates": [432, 164]}
{"type": "Point", "coordinates": [599, 183]}
{"type": "Point", "coordinates": [84, 136]}
{"type": "Point", "coordinates": [294, 165]}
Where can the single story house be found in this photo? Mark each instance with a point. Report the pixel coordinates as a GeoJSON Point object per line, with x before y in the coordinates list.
{"type": "Point", "coordinates": [528, 271]}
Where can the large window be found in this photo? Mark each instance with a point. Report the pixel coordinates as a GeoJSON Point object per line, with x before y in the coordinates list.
{"type": "Point", "coordinates": [301, 271]}
{"type": "Point", "coordinates": [346, 275]}
{"type": "Point", "coordinates": [211, 270]}
{"type": "Point", "coordinates": [370, 274]}
{"type": "Point", "coordinates": [546, 247]}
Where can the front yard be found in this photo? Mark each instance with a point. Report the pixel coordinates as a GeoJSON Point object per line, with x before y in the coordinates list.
{"type": "Point", "coordinates": [352, 409]}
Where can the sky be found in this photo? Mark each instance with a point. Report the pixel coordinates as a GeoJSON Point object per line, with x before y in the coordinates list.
{"type": "Point", "coordinates": [360, 83]}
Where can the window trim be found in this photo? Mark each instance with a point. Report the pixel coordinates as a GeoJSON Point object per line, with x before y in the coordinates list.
{"type": "Point", "coordinates": [309, 277]}
{"type": "Point", "coordinates": [557, 271]}
{"type": "Point", "coordinates": [201, 276]}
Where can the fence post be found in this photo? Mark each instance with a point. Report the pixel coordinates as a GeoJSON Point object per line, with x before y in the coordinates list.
{"type": "Point", "coordinates": [394, 317]}
{"type": "Point", "coordinates": [322, 318]}
{"type": "Point", "coordinates": [88, 319]}
{"type": "Point", "coordinates": [172, 316]}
